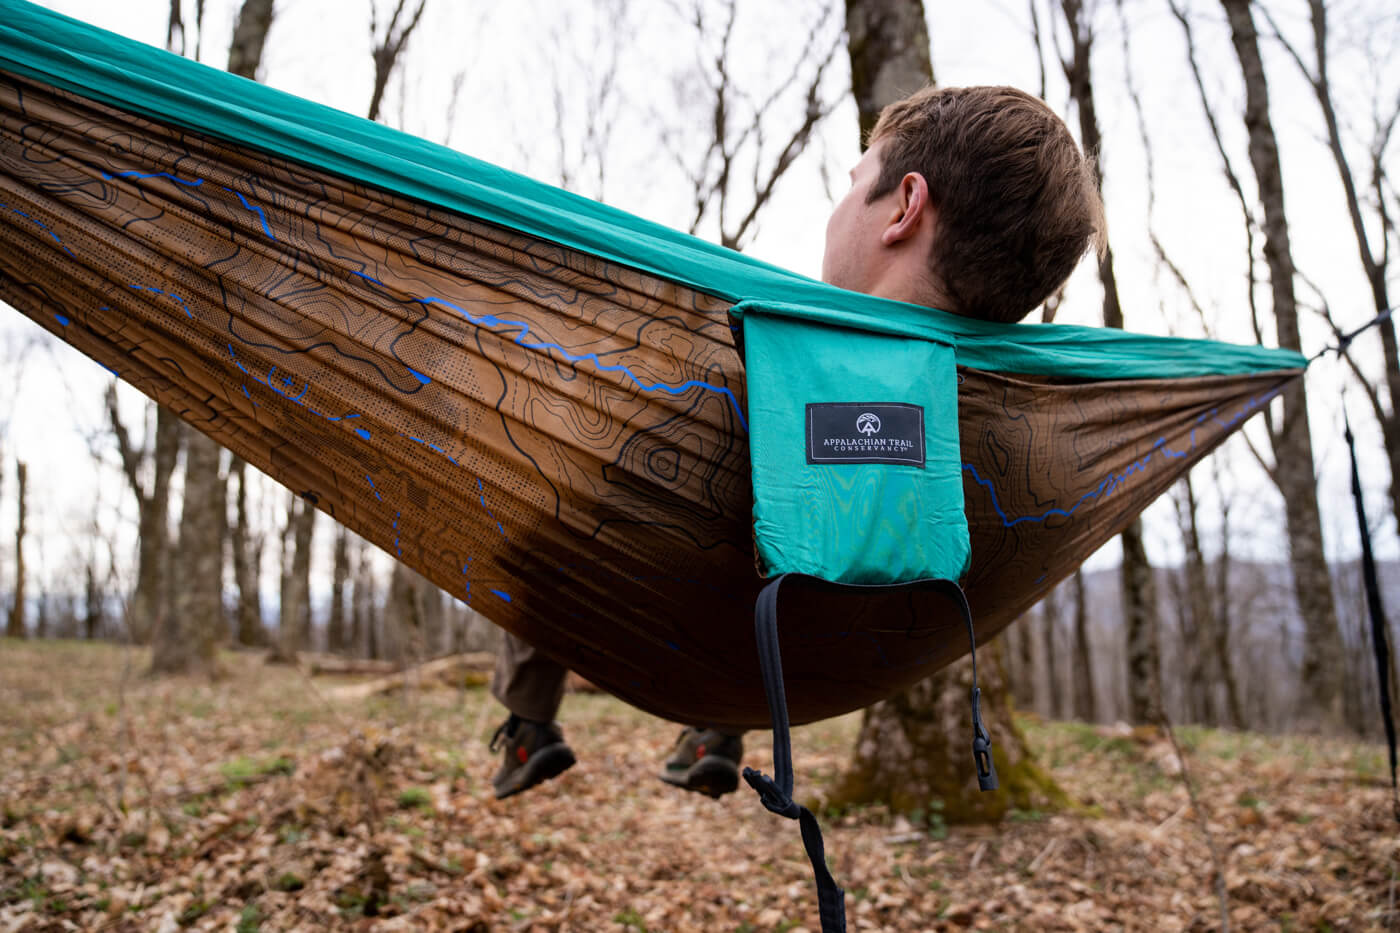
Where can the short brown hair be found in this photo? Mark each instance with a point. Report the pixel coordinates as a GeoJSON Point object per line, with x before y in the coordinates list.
{"type": "Point", "coordinates": [1018, 204]}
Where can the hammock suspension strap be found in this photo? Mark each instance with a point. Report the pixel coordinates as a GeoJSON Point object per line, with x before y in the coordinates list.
{"type": "Point", "coordinates": [775, 793]}
{"type": "Point", "coordinates": [1344, 339]}
{"type": "Point", "coordinates": [1377, 612]}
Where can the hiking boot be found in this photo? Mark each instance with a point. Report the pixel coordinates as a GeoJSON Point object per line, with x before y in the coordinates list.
{"type": "Point", "coordinates": [534, 752]}
{"type": "Point", "coordinates": [705, 761]}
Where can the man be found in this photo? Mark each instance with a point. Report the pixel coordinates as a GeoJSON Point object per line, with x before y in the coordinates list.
{"type": "Point", "coordinates": [971, 200]}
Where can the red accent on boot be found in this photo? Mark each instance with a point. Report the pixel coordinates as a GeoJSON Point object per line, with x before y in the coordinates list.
{"type": "Point", "coordinates": [523, 755]}
{"type": "Point", "coordinates": [699, 752]}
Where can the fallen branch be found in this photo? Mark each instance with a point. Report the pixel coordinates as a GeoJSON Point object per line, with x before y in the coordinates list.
{"type": "Point", "coordinates": [456, 670]}
{"type": "Point", "coordinates": [333, 664]}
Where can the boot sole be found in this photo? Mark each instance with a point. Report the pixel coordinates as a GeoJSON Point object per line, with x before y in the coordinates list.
{"type": "Point", "coordinates": [713, 777]}
{"type": "Point", "coordinates": [550, 761]}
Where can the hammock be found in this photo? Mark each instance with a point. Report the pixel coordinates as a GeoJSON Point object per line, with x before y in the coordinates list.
{"type": "Point", "coordinates": [533, 399]}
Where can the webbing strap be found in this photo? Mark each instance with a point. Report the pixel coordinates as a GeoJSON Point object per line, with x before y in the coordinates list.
{"type": "Point", "coordinates": [1377, 612]}
{"type": "Point", "coordinates": [776, 792]}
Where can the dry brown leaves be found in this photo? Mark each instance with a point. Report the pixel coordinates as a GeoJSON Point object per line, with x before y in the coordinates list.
{"type": "Point", "coordinates": [259, 804]}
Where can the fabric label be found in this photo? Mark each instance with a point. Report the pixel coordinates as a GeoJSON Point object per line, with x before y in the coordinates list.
{"type": "Point", "coordinates": [865, 432]}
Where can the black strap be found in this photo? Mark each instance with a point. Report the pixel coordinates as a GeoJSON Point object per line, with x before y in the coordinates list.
{"type": "Point", "coordinates": [1344, 339]}
{"type": "Point", "coordinates": [776, 793]}
{"type": "Point", "coordinates": [1377, 611]}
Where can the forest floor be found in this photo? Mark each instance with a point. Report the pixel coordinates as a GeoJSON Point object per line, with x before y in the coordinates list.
{"type": "Point", "coordinates": [262, 803]}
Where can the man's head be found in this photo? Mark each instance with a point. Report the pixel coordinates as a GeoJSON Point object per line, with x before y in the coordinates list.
{"type": "Point", "coordinates": [976, 200]}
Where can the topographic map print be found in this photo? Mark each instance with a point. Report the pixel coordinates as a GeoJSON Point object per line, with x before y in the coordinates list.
{"type": "Point", "coordinates": [557, 440]}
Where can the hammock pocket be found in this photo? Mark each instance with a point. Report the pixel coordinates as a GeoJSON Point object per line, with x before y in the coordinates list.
{"type": "Point", "coordinates": [537, 401]}
{"type": "Point", "coordinates": [854, 446]}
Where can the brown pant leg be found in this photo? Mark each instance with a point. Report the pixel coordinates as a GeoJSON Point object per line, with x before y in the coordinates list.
{"type": "Point", "coordinates": [528, 683]}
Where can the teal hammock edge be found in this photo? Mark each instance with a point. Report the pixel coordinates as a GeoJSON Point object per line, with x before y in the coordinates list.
{"type": "Point", "coordinates": [146, 80]}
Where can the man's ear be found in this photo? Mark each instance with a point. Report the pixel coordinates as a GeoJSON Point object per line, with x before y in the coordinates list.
{"type": "Point", "coordinates": [912, 209]}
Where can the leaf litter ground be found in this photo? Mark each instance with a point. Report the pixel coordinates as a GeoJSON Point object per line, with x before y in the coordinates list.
{"type": "Point", "coordinates": [260, 803]}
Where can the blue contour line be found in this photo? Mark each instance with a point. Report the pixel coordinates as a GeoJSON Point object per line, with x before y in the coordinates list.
{"type": "Point", "coordinates": [42, 226]}
{"type": "Point", "coordinates": [482, 489]}
{"type": "Point", "coordinates": [184, 306]}
{"type": "Point", "coordinates": [505, 596]}
{"type": "Point", "coordinates": [398, 551]}
{"type": "Point", "coordinates": [372, 488]}
{"type": "Point", "coordinates": [233, 355]}
{"type": "Point", "coordinates": [62, 320]}
{"type": "Point", "coordinates": [256, 210]}
{"type": "Point", "coordinates": [137, 176]}
{"type": "Point", "coordinates": [430, 446]}
{"type": "Point", "coordinates": [493, 322]}
{"type": "Point", "coordinates": [1108, 485]}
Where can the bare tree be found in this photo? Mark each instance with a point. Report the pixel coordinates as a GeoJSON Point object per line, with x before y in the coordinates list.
{"type": "Point", "coordinates": [1139, 598]}
{"type": "Point", "coordinates": [912, 747]}
{"type": "Point", "coordinates": [888, 45]}
{"type": "Point", "coordinates": [733, 177]}
{"type": "Point", "coordinates": [294, 629]}
{"type": "Point", "coordinates": [1084, 696]}
{"type": "Point", "coordinates": [1049, 624]}
{"type": "Point", "coordinates": [1374, 235]}
{"type": "Point", "coordinates": [16, 626]}
{"type": "Point", "coordinates": [337, 623]}
{"type": "Point", "coordinates": [247, 561]}
{"type": "Point", "coordinates": [389, 46]}
{"type": "Point", "coordinates": [250, 31]}
{"type": "Point", "coordinates": [148, 471]}
{"type": "Point", "coordinates": [1291, 436]}
{"type": "Point", "coordinates": [186, 640]}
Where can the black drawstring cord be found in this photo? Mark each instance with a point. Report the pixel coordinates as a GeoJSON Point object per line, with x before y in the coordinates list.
{"type": "Point", "coordinates": [981, 741]}
{"type": "Point", "coordinates": [1377, 612]}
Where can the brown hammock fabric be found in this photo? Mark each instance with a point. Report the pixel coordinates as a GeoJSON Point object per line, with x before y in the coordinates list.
{"type": "Point", "coordinates": [557, 440]}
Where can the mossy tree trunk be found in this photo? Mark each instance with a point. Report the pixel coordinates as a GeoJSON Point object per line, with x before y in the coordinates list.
{"type": "Point", "coordinates": [914, 751]}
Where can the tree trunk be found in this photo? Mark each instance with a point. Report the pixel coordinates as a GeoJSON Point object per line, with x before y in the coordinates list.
{"type": "Point", "coordinates": [358, 610]}
{"type": "Point", "coordinates": [186, 640]}
{"type": "Point", "coordinates": [1023, 684]}
{"type": "Point", "coordinates": [247, 566]}
{"type": "Point", "coordinates": [1140, 612]}
{"type": "Point", "coordinates": [249, 36]}
{"type": "Point", "coordinates": [150, 596]}
{"type": "Point", "coordinates": [1224, 619]}
{"type": "Point", "coordinates": [889, 50]}
{"type": "Point", "coordinates": [1086, 702]}
{"type": "Point", "coordinates": [1139, 597]}
{"type": "Point", "coordinates": [914, 750]}
{"type": "Point", "coordinates": [1292, 439]}
{"type": "Point", "coordinates": [15, 626]}
{"type": "Point", "coordinates": [336, 627]}
{"type": "Point", "coordinates": [93, 597]}
{"type": "Point", "coordinates": [1049, 622]}
{"type": "Point", "coordinates": [295, 627]}
{"type": "Point", "coordinates": [387, 50]}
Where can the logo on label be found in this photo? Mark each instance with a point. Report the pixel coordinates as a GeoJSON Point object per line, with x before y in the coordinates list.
{"type": "Point", "coordinates": [868, 423]}
{"type": "Point", "coordinates": [865, 432]}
